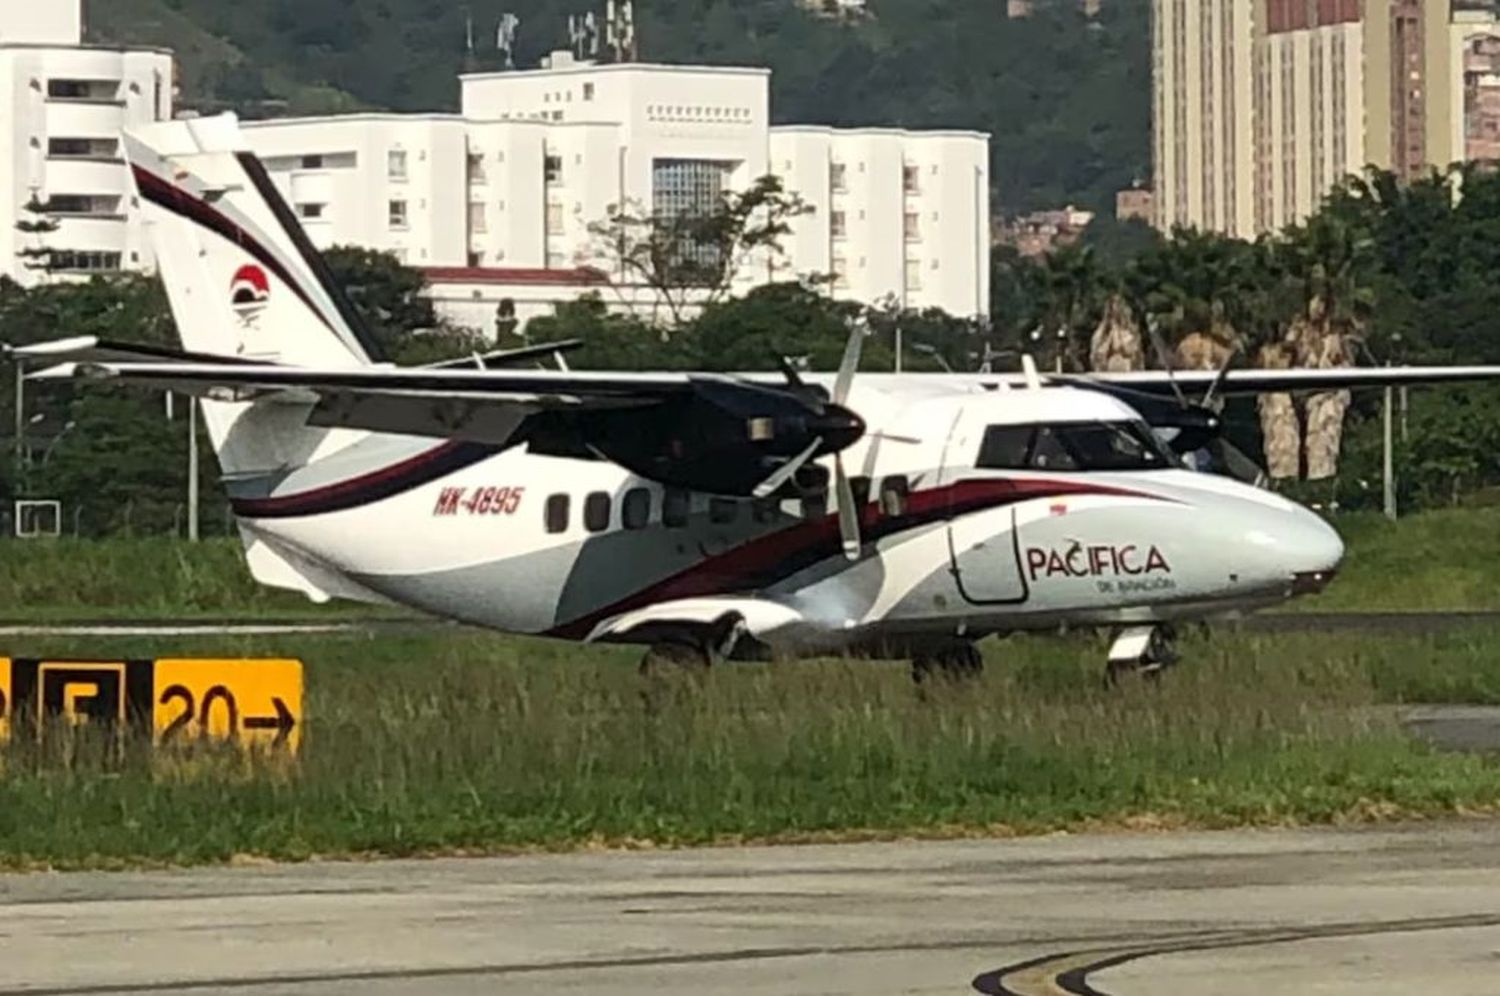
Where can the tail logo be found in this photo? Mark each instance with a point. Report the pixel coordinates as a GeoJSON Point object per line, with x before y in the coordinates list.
{"type": "Point", "coordinates": [250, 292]}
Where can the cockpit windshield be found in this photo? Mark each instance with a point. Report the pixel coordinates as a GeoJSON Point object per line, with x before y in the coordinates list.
{"type": "Point", "coordinates": [1073, 446]}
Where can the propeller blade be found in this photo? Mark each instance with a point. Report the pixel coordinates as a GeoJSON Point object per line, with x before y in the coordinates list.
{"type": "Point", "coordinates": [848, 513]}
{"type": "Point", "coordinates": [1237, 464]}
{"type": "Point", "coordinates": [1164, 357]}
{"type": "Point", "coordinates": [849, 365]}
{"type": "Point", "coordinates": [786, 471]}
{"type": "Point", "coordinates": [1218, 381]}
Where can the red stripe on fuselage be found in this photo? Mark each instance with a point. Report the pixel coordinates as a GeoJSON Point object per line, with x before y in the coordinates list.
{"type": "Point", "coordinates": [776, 556]}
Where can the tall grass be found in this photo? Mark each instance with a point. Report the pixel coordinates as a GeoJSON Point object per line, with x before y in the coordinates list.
{"type": "Point", "coordinates": [459, 741]}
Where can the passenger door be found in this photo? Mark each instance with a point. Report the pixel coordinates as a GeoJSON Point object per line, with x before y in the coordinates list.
{"type": "Point", "coordinates": [982, 533]}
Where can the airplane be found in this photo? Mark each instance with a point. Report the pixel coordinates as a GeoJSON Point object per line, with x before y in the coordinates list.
{"type": "Point", "coordinates": [705, 517]}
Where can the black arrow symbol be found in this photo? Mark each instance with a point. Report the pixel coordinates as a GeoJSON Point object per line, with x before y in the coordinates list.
{"type": "Point", "coordinates": [283, 722]}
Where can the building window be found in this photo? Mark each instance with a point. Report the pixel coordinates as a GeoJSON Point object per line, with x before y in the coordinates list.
{"type": "Point", "coordinates": [396, 164]}
{"type": "Point", "coordinates": [552, 166]}
{"type": "Point", "coordinates": [911, 179]}
{"type": "Point", "coordinates": [838, 177]}
{"type": "Point", "coordinates": [398, 215]}
{"type": "Point", "coordinates": [84, 205]}
{"type": "Point", "coordinates": [91, 91]}
{"type": "Point", "coordinates": [312, 162]}
{"type": "Point", "coordinates": [676, 504]}
{"type": "Point", "coordinates": [478, 222]}
{"type": "Point", "coordinates": [596, 512]}
{"type": "Point", "coordinates": [913, 274]}
{"type": "Point", "coordinates": [692, 188]}
{"type": "Point", "coordinates": [554, 219]}
{"type": "Point", "coordinates": [558, 507]}
{"type": "Point", "coordinates": [912, 227]}
{"type": "Point", "coordinates": [836, 224]}
{"type": "Point", "coordinates": [311, 212]}
{"type": "Point", "coordinates": [476, 168]}
{"type": "Point", "coordinates": [83, 148]}
{"type": "Point", "coordinates": [76, 261]}
{"type": "Point", "coordinates": [588, 91]}
{"type": "Point", "coordinates": [635, 513]}
{"type": "Point", "coordinates": [840, 273]}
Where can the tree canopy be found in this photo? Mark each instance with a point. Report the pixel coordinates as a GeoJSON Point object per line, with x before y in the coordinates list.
{"type": "Point", "coordinates": [1066, 98]}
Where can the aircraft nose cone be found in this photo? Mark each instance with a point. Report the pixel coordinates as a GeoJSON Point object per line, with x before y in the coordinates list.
{"type": "Point", "coordinates": [1306, 549]}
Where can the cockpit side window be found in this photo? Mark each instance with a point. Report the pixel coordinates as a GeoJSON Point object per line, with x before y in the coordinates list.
{"type": "Point", "coordinates": [1072, 446]}
{"type": "Point", "coordinates": [1005, 447]}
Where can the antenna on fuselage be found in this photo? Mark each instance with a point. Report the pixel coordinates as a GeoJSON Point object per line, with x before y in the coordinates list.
{"type": "Point", "coordinates": [1028, 367]}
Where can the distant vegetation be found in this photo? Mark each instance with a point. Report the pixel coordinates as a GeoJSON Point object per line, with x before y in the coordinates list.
{"type": "Point", "coordinates": [1066, 99]}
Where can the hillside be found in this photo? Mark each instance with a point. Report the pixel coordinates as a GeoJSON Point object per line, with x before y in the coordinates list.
{"type": "Point", "coordinates": [1067, 100]}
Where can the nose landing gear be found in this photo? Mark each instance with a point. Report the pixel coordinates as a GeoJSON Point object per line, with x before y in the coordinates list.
{"type": "Point", "coordinates": [1143, 650]}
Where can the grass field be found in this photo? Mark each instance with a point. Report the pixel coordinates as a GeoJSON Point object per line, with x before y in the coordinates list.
{"type": "Point", "coordinates": [463, 742]}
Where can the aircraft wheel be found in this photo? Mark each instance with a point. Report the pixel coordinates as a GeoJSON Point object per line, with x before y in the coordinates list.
{"type": "Point", "coordinates": [665, 659]}
{"type": "Point", "coordinates": [1159, 654]}
{"type": "Point", "coordinates": [964, 662]}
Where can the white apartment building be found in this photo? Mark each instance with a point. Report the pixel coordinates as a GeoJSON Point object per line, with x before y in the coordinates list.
{"type": "Point", "coordinates": [65, 105]}
{"type": "Point", "coordinates": [495, 203]}
{"type": "Point", "coordinates": [1261, 107]}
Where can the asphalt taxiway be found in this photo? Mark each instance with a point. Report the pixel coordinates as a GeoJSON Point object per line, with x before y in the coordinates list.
{"type": "Point", "coordinates": [1416, 908]}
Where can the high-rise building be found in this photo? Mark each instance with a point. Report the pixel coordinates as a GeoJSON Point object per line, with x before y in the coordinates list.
{"type": "Point", "coordinates": [1262, 106]}
{"type": "Point", "coordinates": [66, 103]}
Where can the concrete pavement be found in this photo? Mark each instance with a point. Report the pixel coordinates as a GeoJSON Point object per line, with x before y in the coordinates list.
{"type": "Point", "coordinates": [1410, 909]}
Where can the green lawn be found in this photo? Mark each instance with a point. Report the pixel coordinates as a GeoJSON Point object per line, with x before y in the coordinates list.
{"type": "Point", "coordinates": [461, 742]}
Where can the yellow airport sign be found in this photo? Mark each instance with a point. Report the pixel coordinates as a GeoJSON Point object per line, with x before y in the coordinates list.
{"type": "Point", "coordinates": [253, 702]}
{"type": "Point", "coordinates": [81, 692]}
{"type": "Point", "coordinates": [5, 699]}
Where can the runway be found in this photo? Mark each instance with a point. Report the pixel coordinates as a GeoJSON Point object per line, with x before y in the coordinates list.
{"type": "Point", "coordinates": [1412, 909]}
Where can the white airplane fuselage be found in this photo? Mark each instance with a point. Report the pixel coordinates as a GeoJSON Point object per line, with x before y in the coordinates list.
{"type": "Point", "coordinates": [584, 549]}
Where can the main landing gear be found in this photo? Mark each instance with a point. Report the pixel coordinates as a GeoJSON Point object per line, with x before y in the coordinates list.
{"type": "Point", "coordinates": [1142, 650]}
{"type": "Point", "coordinates": [961, 661]}
{"type": "Point", "coordinates": [694, 650]}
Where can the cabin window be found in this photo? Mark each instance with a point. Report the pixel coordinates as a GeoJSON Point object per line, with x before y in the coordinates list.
{"type": "Point", "coordinates": [814, 504]}
{"type": "Point", "coordinates": [1005, 447]}
{"type": "Point", "coordinates": [764, 510]}
{"type": "Point", "coordinates": [894, 491]}
{"type": "Point", "coordinates": [861, 488]}
{"type": "Point", "coordinates": [635, 513]}
{"type": "Point", "coordinates": [722, 511]}
{"type": "Point", "coordinates": [596, 512]}
{"type": "Point", "coordinates": [558, 507]}
{"type": "Point", "coordinates": [675, 508]}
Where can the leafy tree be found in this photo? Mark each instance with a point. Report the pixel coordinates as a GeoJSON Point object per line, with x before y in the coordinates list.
{"type": "Point", "coordinates": [691, 258]}
{"type": "Point", "coordinates": [36, 225]}
{"type": "Point", "coordinates": [386, 293]}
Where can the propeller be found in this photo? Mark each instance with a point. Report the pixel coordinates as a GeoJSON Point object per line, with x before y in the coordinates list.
{"type": "Point", "coordinates": [1209, 434]}
{"type": "Point", "coordinates": [834, 417]}
{"type": "Point", "coordinates": [848, 510]}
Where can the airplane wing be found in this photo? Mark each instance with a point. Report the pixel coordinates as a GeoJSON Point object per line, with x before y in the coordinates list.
{"type": "Point", "coordinates": [708, 432]}
{"type": "Point", "coordinates": [1268, 381]}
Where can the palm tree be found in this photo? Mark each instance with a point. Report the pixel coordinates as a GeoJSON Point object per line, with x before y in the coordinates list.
{"type": "Point", "coordinates": [1069, 295]}
{"type": "Point", "coordinates": [1328, 264]}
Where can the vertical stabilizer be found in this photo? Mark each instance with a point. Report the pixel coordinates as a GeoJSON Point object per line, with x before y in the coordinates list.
{"type": "Point", "coordinates": [242, 277]}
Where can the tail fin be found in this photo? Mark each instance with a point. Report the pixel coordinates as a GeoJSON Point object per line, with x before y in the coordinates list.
{"type": "Point", "coordinates": [242, 277]}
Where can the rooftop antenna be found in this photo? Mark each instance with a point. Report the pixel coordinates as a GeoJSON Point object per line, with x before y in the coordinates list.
{"type": "Point", "coordinates": [583, 35]}
{"type": "Point", "coordinates": [469, 37]}
{"type": "Point", "coordinates": [619, 28]}
{"type": "Point", "coordinates": [505, 38]}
